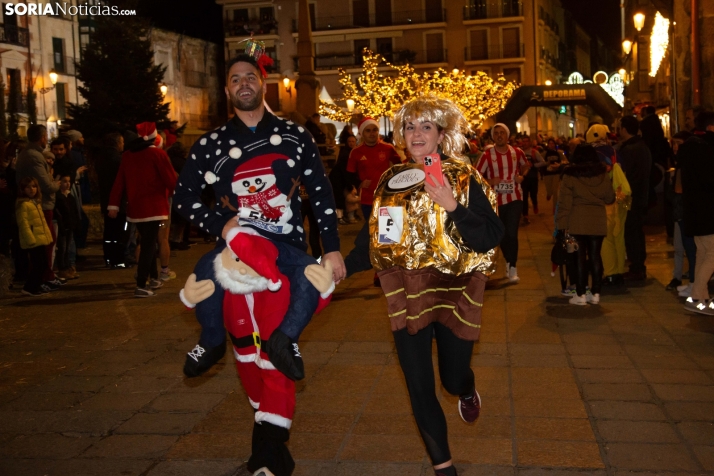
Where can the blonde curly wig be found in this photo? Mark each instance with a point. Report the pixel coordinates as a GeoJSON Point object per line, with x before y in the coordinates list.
{"type": "Point", "coordinates": [439, 111]}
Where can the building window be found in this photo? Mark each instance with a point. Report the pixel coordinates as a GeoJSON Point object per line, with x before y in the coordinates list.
{"type": "Point", "coordinates": [272, 96]}
{"type": "Point", "coordinates": [478, 45]}
{"type": "Point", "coordinates": [511, 41]}
{"type": "Point", "coordinates": [435, 47]}
{"type": "Point", "coordinates": [360, 12]}
{"type": "Point", "coordinates": [359, 47]}
{"type": "Point", "coordinates": [512, 74]}
{"type": "Point", "coordinates": [58, 54]}
{"type": "Point", "coordinates": [384, 48]}
{"type": "Point", "coordinates": [14, 83]}
{"type": "Point", "coordinates": [383, 12]}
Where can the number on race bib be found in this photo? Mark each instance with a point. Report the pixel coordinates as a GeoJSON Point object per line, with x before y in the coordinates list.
{"type": "Point", "coordinates": [507, 186]}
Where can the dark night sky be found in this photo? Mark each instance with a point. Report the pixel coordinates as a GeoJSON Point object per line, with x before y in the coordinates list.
{"type": "Point", "coordinates": [197, 18]}
{"type": "Point", "coordinates": [202, 18]}
{"type": "Point", "coordinates": [598, 17]}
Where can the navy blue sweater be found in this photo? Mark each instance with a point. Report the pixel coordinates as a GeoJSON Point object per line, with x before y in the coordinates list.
{"type": "Point", "coordinates": [258, 175]}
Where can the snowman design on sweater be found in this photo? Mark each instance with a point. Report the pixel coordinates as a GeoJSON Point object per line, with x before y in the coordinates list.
{"type": "Point", "coordinates": [260, 202]}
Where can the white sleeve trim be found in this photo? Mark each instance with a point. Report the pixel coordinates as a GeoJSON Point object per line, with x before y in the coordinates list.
{"type": "Point", "coordinates": [327, 293]}
{"type": "Point", "coordinates": [185, 301]}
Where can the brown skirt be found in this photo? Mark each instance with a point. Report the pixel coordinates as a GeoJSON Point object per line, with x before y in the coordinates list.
{"type": "Point", "coordinates": [416, 298]}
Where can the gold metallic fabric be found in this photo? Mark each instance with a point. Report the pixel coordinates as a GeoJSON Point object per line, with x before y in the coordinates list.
{"type": "Point", "coordinates": [429, 237]}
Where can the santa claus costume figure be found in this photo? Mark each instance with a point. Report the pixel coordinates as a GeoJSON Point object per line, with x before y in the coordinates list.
{"type": "Point", "coordinates": [254, 303]}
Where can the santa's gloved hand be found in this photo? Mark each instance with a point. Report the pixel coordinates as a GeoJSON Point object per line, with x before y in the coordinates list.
{"type": "Point", "coordinates": [285, 356]}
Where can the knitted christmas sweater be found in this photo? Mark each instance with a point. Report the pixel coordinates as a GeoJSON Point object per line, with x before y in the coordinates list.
{"type": "Point", "coordinates": [257, 176]}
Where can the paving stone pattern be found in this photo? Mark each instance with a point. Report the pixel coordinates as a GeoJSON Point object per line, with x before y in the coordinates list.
{"type": "Point", "coordinates": [91, 382]}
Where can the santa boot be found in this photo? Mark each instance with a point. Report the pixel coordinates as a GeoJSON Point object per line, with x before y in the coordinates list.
{"type": "Point", "coordinates": [269, 450]}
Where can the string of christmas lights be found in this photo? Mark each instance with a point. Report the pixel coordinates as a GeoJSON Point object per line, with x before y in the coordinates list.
{"type": "Point", "coordinates": [380, 95]}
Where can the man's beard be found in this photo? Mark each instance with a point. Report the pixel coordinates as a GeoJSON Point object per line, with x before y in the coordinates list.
{"type": "Point", "coordinates": [249, 104]}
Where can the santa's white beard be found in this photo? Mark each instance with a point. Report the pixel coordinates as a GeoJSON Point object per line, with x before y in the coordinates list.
{"type": "Point", "coordinates": [237, 283]}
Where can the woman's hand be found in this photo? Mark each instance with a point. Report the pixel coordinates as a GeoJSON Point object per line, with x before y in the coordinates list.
{"type": "Point", "coordinates": [442, 195]}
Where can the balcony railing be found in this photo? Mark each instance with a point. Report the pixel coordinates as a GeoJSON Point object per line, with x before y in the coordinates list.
{"type": "Point", "coordinates": [66, 66]}
{"type": "Point", "coordinates": [410, 17]}
{"type": "Point", "coordinates": [494, 52]}
{"type": "Point", "coordinates": [413, 57]}
{"type": "Point", "coordinates": [549, 58]}
{"type": "Point", "coordinates": [14, 35]}
{"type": "Point", "coordinates": [480, 10]}
{"type": "Point", "coordinates": [251, 27]}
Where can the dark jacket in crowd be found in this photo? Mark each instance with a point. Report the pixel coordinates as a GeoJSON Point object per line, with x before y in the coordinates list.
{"type": "Point", "coordinates": [636, 162]}
{"type": "Point", "coordinates": [66, 166]}
{"type": "Point", "coordinates": [585, 189]}
{"type": "Point", "coordinates": [66, 212]}
{"type": "Point", "coordinates": [107, 166]}
{"type": "Point", "coordinates": [316, 132]}
{"type": "Point", "coordinates": [341, 180]}
{"type": "Point", "coordinates": [696, 162]}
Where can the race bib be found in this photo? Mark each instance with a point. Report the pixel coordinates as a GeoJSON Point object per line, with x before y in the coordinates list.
{"type": "Point", "coordinates": [507, 186]}
{"type": "Point", "coordinates": [391, 225]}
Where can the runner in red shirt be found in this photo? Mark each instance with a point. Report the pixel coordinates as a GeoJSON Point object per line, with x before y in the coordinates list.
{"type": "Point", "coordinates": [503, 167]}
{"type": "Point", "coordinates": [368, 161]}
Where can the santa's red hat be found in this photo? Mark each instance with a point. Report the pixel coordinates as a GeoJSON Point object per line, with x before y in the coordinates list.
{"type": "Point", "coordinates": [257, 252]}
{"type": "Point", "coordinates": [366, 122]}
{"type": "Point", "coordinates": [146, 130]}
{"type": "Point", "coordinates": [262, 165]}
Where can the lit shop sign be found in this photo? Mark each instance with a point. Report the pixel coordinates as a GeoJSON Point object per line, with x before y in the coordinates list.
{"type": "Point", "coordinates": [613, 84]}
{"type": "Point", "coordinates": [557, 94]}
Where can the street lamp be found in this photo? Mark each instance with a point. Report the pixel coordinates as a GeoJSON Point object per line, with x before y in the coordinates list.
{"type": "Point", "coordinates": [164, 89]}
{"type": "Point", "coordinates": [548, 82]}
{"type": "Point", "coordinates": [53, 79]}
{"type": "Point", "coordinates": [286, 84]}
{"type": "Point", "coordinates": [639, 19]}
{"type": "Point", "coordinates": [626, 47]}
{"type": "Point", "coordinates": [350, 105]}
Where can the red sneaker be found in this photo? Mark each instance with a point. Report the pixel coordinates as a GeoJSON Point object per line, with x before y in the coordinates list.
{"type": "Point", "coordinates": [470, 407]}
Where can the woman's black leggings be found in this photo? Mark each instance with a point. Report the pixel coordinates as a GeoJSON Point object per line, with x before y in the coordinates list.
{"type": "Point", "coordinates": [589, 246]}
{"type": "Point", "coordinates": [456, 376]}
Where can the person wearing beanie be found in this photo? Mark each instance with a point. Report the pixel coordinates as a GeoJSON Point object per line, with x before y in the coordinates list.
{"type": "Point", "coordinates": [148, 179]}
{"type": "Point", "coordinates": [366, 164]}
{"type": "Point", "coordinates": [256, 163]}
{"type": "Point", "coordinates": [504, 167]}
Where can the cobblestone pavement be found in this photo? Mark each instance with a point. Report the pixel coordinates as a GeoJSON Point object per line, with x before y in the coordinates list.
{"type": "Point", "coordinates": [91, 382]}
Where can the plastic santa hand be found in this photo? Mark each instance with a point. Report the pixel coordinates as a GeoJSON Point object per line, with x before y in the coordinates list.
{"type": "Point", "coordinates": [321, 278]}
{"type": "Point", "coordinates": [194, 292]}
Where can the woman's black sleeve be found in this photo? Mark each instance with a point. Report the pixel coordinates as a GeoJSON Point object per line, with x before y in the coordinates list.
{"type": "Point", "coordinates": [478, 224]}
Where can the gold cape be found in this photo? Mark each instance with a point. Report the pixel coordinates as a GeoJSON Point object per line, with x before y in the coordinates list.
{"type": "Point", "coordinates": [429, 237]}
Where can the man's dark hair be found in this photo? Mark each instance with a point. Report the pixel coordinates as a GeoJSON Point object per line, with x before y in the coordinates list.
{"type": "Point", "coordinates": [66, 175]}
{"type": "Point", "coordinates": [317, 114]}
{"type": "Point", "coordinates": [630, 124]}
{"type": "Point", "coordinates": [35, 132]}
{"type": "Point", "coordinates": [704, 119]}
{"type": "Point", "coordinates": [60, 141]}
{"type": "Point", "coordinates": [244, 58]}
{"type": "Point", "coordinates": [649, 110]}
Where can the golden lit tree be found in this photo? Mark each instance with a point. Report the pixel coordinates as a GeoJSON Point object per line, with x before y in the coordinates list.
{"type": "Point", "coordinates": [380, 94]}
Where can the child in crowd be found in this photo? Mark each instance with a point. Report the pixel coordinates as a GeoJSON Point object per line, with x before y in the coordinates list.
{"type": "Point", "coordinates": [67, 221]}
{"type": "Point", "coordinates": [35, 235]}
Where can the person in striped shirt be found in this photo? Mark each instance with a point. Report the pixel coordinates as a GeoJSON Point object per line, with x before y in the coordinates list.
{"type": "Point", "coordinates": [504, 167]}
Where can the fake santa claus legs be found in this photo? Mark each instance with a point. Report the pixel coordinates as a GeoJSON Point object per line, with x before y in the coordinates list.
{"type": "Point", "coordinates": [254, 305]}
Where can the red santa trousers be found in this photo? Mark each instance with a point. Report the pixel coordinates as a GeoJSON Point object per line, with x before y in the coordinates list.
{"type": "Point", "coordinates": [249, 319]}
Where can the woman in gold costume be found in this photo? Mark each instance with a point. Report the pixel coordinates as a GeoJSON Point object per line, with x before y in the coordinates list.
{"type": "Point", "coordinates": [433, 246]}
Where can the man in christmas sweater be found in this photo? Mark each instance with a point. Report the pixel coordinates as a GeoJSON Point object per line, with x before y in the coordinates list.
{"type": "Point", "coordinates": [256, 163]}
